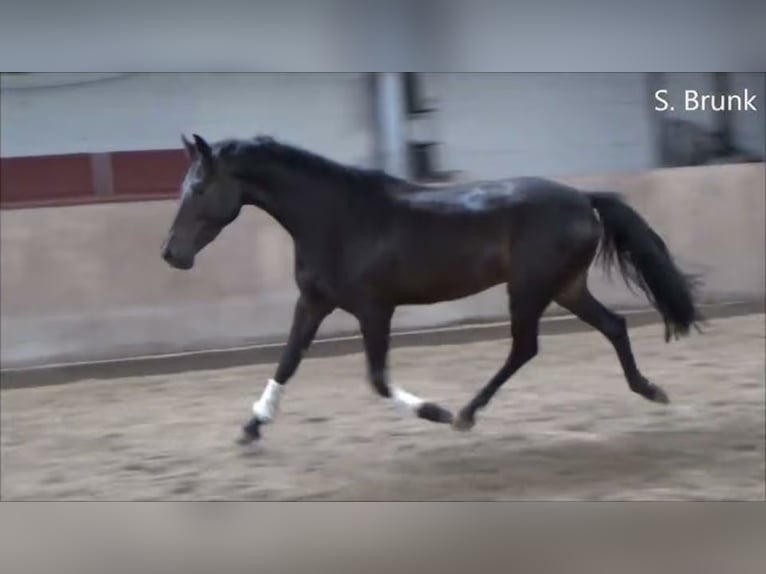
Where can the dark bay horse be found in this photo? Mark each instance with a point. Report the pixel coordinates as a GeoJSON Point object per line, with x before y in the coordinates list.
{"type": "Point", "coordinates": [366, 242]}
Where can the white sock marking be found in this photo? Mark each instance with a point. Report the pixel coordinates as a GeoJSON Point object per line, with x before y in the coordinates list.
{"type": "Point", "coordinates": [406, 400]}
{"type": "Point", "coordinates": [267, 406]}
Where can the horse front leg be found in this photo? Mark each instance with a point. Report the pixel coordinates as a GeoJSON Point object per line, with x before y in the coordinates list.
{"type": "Point", "coordinates": [307, 317]}
{"type": "Point", "coordinates": [375, 323]}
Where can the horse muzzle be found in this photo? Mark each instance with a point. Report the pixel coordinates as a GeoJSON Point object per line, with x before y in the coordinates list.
{"type": "Point", "coordinates": [176, 260]}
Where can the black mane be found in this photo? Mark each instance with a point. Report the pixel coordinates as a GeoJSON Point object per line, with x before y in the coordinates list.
{"type": "Point", "coordinates": [246, 153]}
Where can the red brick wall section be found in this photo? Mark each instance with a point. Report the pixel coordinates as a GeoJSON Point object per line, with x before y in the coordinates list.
{"type": "Point", "coordinates": [53, 178]}
{"type": "Point", "coordinates": [71, 180]}
{"type": "Point", "coordinates": [148, 172]}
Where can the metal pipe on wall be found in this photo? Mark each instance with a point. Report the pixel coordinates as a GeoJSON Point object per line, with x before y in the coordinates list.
{"type": "Point", "coordinates": [390, 133]}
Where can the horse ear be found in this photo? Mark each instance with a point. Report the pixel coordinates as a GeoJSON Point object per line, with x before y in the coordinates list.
{"type": "Point", "coordinates": [205, 152]}
{"type": "Point", "coordinates": [191, 150]}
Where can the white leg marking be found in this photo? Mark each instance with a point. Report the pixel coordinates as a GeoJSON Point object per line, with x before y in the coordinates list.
{"type": "Point", "coordinates": [267, 406]}
{"type": "Point", "coordinates": [406, 400]}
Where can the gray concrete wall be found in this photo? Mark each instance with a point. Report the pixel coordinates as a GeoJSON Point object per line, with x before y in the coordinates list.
{"type": "Point", "coordinates": [496, 125]}
{"type": "Point", "coordinates": [749, 129]}
{"type": "Point", "coordinates": [327, 113]}
{"type": "Point", "coordinates": [87, 282]}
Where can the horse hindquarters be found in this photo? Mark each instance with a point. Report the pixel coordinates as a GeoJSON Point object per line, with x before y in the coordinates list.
{"type": "Point", "coordinates": [543, 263]}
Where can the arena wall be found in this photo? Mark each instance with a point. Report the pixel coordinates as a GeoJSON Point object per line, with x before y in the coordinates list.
{"type": "Point", "coordinates": [87, 281]}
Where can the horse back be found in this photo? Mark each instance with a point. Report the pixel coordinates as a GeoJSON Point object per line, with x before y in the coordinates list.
{"type": "Point", "coordinates": [486, 197]}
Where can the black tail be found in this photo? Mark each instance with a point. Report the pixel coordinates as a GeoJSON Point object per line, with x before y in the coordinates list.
{"type": "Point", "coordinates": [642, 258]}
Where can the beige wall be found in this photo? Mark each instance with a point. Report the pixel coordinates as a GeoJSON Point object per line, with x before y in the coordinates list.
{"type": "Point", "coordinates": [87, 282]}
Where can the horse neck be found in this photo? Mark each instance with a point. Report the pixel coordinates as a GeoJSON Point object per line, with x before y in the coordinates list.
{"type": "Point", "coordinates": [309, 206]}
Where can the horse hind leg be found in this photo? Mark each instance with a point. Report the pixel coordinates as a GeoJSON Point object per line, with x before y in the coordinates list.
{"type": "Point", "coordinates": [579, 300]}
{"type": "Point", "coordinates": [539, 275]}
{"type": "Point", "coordinates": [526, 307]}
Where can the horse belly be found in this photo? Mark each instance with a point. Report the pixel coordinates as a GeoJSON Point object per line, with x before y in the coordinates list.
{"type": "Point", "coordinates": [449, 276]}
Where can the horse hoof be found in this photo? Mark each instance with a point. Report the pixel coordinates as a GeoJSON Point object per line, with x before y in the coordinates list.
{"type": "Point", "coordinates": [658, 395]}
{"type": "Point", "coordinates": [251, 432]}
{"type": "Point", "coordinates": [464, 422]}
{"type": "Point", "coordinates": [435, 413]}
{"type": "Point", "coordinates": [245, 439]}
